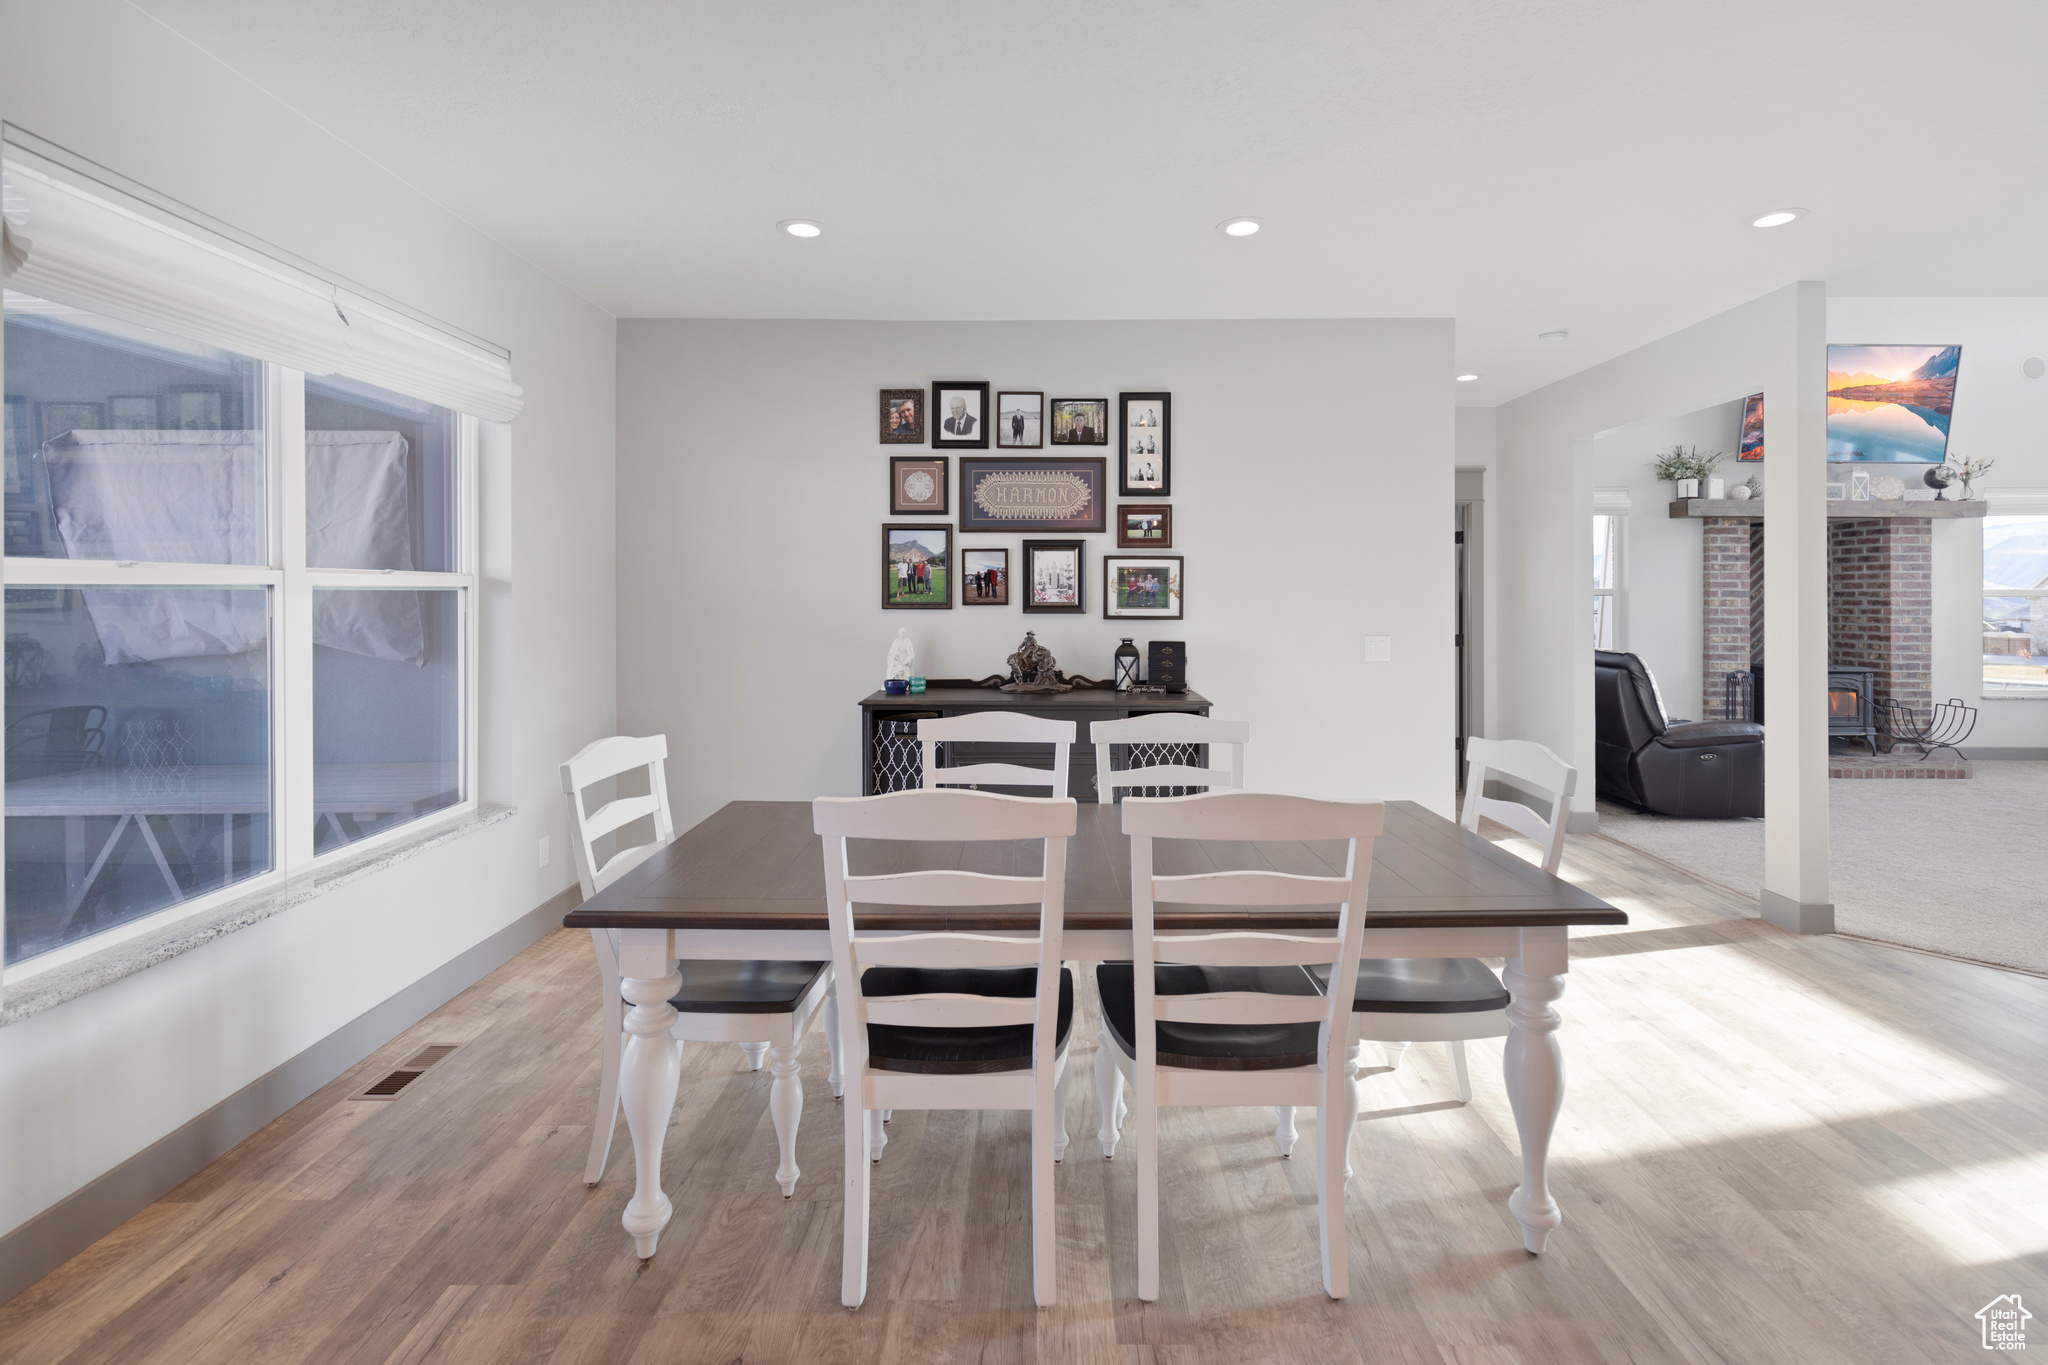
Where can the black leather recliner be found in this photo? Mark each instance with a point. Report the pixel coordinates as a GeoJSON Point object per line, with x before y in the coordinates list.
{"type": "Point", "coordinates": [1702, 769]}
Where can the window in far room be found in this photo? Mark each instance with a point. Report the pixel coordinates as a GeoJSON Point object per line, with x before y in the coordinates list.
{"type": "Point", "coordinates": [2016, 606]}
{"type": "Point", "coordinates": [1607, 580]}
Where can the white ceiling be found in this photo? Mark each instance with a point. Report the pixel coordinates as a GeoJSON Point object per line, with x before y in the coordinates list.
{"type": "Point", "coordinates": [1588, 165]}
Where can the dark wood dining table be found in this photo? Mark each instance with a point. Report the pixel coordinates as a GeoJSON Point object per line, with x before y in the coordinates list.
{"type": "Point", "coordinates": [748, 882]}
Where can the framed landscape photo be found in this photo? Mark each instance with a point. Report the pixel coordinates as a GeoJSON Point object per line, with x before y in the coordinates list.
{"type": "Point", "coordinates": [918, 485]}
{"type": "Point", "coordinates": [54, 419]}
{"type": "Point", "coordinates": [960, 416]}
{"type": "Point", "coordinates": [1055, 575]}
{"type": "Point", "coordinates": [917, 563]}
{"type": "Point", "coordinates": [133, 412]}
{"type": "Point", "coordinates": [902, 417]}
{"type": "Point", "coordinates": [1141, 587]}
{"type": "Point", "coordinates": [1003, 493]}
{"type": "Point", "coordinates": [1144, 526]}
{"type": "Point", "coordinates": [1020, 420]}
{"type": "Point", "coordinates": [1080, 421]}
{"type": "Point", "coordinates": [202, 407]}
{"type": "Point", "coordinates": [1145, 464]}
{"type": "Point", "coordinates": [984, 578]}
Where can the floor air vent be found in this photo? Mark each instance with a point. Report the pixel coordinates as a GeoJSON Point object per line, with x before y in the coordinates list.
{"type": "Point", "coordinates": [412, 1069]}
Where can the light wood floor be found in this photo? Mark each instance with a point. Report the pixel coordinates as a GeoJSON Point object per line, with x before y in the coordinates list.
{"type": "Point", "coordinates": [1772, 1149]}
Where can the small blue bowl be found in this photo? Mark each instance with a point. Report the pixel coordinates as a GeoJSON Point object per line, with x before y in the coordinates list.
{"type": "Point", "coordinates": [895, 687]}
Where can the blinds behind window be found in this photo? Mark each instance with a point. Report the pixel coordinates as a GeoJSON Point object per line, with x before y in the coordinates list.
{"type": "Point", "coordinates": [78, 242]}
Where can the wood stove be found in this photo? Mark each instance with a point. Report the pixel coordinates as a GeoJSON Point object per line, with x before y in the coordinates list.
{"type": "Point", "coordinates": [1852, 707]}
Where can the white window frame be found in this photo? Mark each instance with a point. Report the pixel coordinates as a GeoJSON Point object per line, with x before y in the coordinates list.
{"type": "Point", "coordinates": [1614, 503]}
{"type": "Point", "coordinates": [291, 584]}
{"type": "Point", "coordinates": [2013, 504]}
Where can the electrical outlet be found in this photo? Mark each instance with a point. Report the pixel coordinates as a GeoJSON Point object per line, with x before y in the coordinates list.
{"type": "Point", "coordinates": [543, 850]}
{"type": "Point", "coordinates": [1379, 649]}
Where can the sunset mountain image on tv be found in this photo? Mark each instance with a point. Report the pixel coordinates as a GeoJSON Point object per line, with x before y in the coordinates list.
{"type": "Point", "coordinates": [1891, 403]}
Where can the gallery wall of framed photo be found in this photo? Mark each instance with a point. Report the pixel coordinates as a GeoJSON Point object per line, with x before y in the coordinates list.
{"type": "Point", "coordinates": [1269, 553]}
{"type": "Point", "coordinates": [1066, 489]}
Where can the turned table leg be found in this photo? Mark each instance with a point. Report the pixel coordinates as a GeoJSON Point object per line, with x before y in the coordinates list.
{"type": "Point", "coordinates": [1534, 1068]}
{"type": "Point", "coordinates": [648, 1075]}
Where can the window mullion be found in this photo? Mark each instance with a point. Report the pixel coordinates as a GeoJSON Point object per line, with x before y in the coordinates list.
{"type": "Point", "coordinates": [294, 717]}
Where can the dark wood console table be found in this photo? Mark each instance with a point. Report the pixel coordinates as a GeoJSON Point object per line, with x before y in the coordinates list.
{"type": "Point", "coordinates": [958, 696]}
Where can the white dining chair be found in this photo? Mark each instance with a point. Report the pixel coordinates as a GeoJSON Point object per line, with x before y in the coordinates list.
{"type": "Point", "coordinates": [763, 1006]}
{"type": "Point", "coordinates": [1169, 728]}
{"type": "Point", "coordinates": [995, 727]}
{"type": "Point", "coordinates": [1234, 1017]}
{"type": "Point", "coordinates": [949, 1020]}
{"type": "Point", "coordinates": [1456, 1000]}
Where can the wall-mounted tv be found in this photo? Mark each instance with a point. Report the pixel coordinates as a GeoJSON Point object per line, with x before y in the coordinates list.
{"type": "Point", "coordinates": [1891, 404]}
{"type": "Point", "coordinates": [1752, 445]}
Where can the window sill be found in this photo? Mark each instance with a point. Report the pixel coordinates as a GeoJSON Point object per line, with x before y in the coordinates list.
{"type": "Point", "coordinates": [47, 990]}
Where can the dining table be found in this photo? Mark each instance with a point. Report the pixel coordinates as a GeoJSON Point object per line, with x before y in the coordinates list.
{"type": "Point", "coordinates": [748, 883]}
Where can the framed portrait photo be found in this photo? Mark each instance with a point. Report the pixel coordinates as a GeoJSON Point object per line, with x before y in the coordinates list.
{"type": "Point", "coordinates": [1141, 587]}
{"type": "Point", "coordinates": [1144, 526]}
{"type": "Point", "coordinates": [1020, 420]}
{"type": "Point", "coordinates": [1080, 421]}
{"type": "Point", "coordinates": [917, 565]}
{"type": "Point", "coordinates": [918, 486]}
{"type": "Point", "coordinates": [960, 416]}
{"type": "Point", "coordinates": [1751, 449]}
{"type": "Point", "coordinates": [1145, 464]}
{"type": "Point", "coordinates": [1004, 493]}
{"type": "Point", "coordinates": [1055, 575]}
{"type": "Point", "coordinates": [984, 578]}
{"type": "Point", "coordinates": [902, 417]}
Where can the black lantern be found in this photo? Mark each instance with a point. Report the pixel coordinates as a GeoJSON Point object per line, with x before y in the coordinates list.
{"type": "Point", "coordinates": [1126, 666]}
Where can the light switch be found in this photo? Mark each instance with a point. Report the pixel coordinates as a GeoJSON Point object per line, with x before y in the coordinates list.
{"type": "Point", "coordinates": [1379, 649]}
{"type": "Point", "coordinates": [543, 850]}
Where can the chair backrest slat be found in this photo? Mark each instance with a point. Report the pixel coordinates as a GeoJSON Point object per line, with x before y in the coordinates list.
{"type": "Point", "coordinates": [1533, 768]}
{"type": "Point", "coordinates": [1171, 728]}
{"type": "Point", "coordinates": [995, 727]}
{"type": "Point", "coordinates": [611, 757]}
{"type": "Point", "coordinates": [1242, 817]}
{"type": "Point", "coordinates": [952, 816]}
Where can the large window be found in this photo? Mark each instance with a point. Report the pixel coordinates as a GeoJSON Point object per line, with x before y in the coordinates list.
{"type": "Point", "coordinates": [2016, 606]}
{"type": "Point", "coordinates": [1607, 604]}
{"type": "Point", "coordinates": [239, 620]}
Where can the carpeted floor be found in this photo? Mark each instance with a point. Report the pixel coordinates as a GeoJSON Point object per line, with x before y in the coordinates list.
{"type": "Point", "coordinates": [1952, 867]}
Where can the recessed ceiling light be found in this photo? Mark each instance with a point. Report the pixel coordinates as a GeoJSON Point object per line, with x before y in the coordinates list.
{"type": "Point", "coordinates": [1777, 217]}
{"type": "Point", "coordinates": [1552, 337]}
{"type": "Point", "coordinates": [1467, 378]}
{"type": "Point", "coordinates": [799, 227]}
{"type": "Point", "coordinates": [1238, 227]}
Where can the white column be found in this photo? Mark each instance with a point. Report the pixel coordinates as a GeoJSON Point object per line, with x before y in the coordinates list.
{"type": "Point", "coordinates": [1795, 890]}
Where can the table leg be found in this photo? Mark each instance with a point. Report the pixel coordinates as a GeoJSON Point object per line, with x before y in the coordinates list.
{"type": "Point", "coordinates": [649, 1072]}
{"type": "Point", "coordinates": [1534, 1067]}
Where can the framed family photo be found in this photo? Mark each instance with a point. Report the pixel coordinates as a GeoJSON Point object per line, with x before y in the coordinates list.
{"type": "Point", "coordinates": [918, 485]}
{"type": "Point", "coordinates": [917, 563]}
{"type": "Point", "coordinates": [959, 416]}
{"type": "Point", "coordinates": [902, 417]}
{"type": "Point", "coordinates": [984, 578]}
{"type": "Point", "coordinates": [1020, 420]}
{"type": "Point", "coordinates": [1003, 493]}
{"type": "Point", "coordinates": [1144, 526]}
{"type": "Point", "coordinates": [1080, 421]}
{"type": "Point", "coordinates": [1055, 575]}
{"type": "Point", "coordinates": [1141, 587]}
{"type": "Point", "coordinates": [1145, 464]}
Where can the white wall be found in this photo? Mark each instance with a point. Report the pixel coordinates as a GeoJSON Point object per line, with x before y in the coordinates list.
{"type": "Point", "coordinates": [94, 1081]}
{"type": "Point", "coordinates": [1312, 501]}
{"type": "Point", "coordinates": [1662, 614]}
{"type": "Point", "coordinates": [2001, 415]}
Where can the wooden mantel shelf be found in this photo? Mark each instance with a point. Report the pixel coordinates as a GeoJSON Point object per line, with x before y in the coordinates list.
{"type": "Point", "coordinates": [1752, 509]}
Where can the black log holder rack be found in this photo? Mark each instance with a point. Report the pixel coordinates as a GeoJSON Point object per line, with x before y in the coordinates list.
{"type": "Point", "coordinates": [1943, 727]}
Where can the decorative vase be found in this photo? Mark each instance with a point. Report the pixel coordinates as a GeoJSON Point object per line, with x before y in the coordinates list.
{"type": "Point", "coordinates": [1740, 492]}
{"type": "Point", "coordinates": [1126, 665]}
{"type": "Point", "coordinates": [1716, 489]}
{"type": "Point", "coordinates": [1687, 488]}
